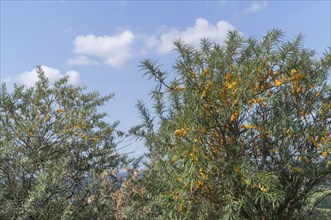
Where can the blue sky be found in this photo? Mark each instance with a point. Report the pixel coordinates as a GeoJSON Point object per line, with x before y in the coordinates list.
{"type": "Point", "coordinates": [99, 44]}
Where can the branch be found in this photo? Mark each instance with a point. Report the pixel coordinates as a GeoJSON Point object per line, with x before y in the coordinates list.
{"type": "Point", "coordinates": [320, 200]}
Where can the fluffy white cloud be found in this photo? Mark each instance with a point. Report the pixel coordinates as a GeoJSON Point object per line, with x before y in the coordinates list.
{"type": "Point", "coordinates": [116, 50]}
{"type": "Point", "coordinates": [193, 35]}
{"type": "Point", "coordinates": [73, 77]}
{"type": "Point", "coordinates": [81, 60]}
{"type": "Point", "coordinates": [256, 6]}
{"type": "Point", "coordinates": [30, 77]}
{"type": "Point", "coordinates": [113, 50]}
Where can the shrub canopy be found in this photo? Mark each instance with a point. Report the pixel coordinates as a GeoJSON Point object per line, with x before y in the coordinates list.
{"type": "Point", "coordinates": [239, 130]}
{"type": "Point", "coordinates": [54, 148]}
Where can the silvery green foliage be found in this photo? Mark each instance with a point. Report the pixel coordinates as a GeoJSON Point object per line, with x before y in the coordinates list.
{"type": "Point", "coordinates": [238, 130]}
{"type": "Point", "coordinates": [54, 146]}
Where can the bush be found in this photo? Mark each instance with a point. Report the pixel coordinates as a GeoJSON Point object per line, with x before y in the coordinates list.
{"type": "Point", "coordinates": [239, 130]}
{"type": "Point", "coordinates": [55, 148]}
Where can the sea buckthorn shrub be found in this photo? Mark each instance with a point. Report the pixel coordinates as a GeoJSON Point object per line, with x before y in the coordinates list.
{"type": "Point", "coordinates": [55, 150]}
{"type": "Point", "coordinates": [238, 130]}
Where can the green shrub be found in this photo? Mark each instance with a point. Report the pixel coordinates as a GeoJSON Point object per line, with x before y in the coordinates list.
{"type": "Point", "coordinates": [239, 130]}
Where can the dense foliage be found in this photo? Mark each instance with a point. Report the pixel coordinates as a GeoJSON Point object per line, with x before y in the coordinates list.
{"type": "Point", "coordinates": [241, 130]}
{"type": "Point", "coordinates": [55, 149]}
{"type": "Point", "coordinates": [238, 130]}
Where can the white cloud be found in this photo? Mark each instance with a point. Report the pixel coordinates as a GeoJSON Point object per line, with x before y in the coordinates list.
{"type": "Point", "coordinates": [73, 77]}
{"type": "Point", "coordinates": [256, 6]}
{"type": "Point", "coordinates": [117, 50]}
{"type": "Point", "coordinates": [193, 35]}
{"type": "Point", "coordinates": [6, 80]}
{"type": "Point", "coordinates": [113, 50]}
{"type": "Point", "coordinates": [81, 60]}
{"type": "Point", "coordinates": [30, 77]}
